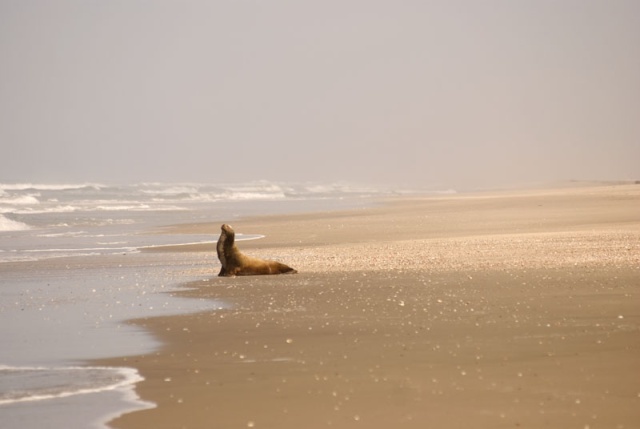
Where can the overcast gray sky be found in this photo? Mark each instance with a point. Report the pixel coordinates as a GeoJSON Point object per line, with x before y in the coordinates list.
{"type": "Point", "coordinates": [451, 93]}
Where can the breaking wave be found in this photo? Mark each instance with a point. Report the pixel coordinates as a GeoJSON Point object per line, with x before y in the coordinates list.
{"type": "Point", "coordinates": [21, 384]}
{"type": "Point", "coordinates": [11, 225]}
{"type": "Point", "coordinates": [47, 187]}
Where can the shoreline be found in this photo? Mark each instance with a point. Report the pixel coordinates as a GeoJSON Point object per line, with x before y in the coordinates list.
{"type": "Point", "coordinates": [54, 329]}
{"type": "Point", "coordinates": [69, 285]}
{"type": "Point", "coordinates": [492, 310]}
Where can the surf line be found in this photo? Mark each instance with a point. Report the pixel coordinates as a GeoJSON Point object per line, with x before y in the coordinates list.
{"type": "Point", "coordinates": [13, 388]}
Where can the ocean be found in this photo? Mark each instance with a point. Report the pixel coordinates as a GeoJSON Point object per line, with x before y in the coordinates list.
{"type": "Point", "coordinates": [72, 273]}
{"type": "Point", "coordinates": [46, 221]}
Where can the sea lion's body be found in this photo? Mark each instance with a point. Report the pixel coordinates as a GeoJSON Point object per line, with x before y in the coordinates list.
{"type": "Point", "coordinates": [234, 263]}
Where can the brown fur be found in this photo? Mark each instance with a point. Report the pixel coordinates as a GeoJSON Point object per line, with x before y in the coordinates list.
{"type": "Point", "coordinates": [234, 263]}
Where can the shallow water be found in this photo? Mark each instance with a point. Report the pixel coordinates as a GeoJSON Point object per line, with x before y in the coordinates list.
{"type": "Point", "coordinates": [57, 314]}
{"type": "Point", "coordinates": [70, 310]}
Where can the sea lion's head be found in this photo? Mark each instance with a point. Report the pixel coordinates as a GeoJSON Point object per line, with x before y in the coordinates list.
{"type": "Point", "coordinates": [227, 230]}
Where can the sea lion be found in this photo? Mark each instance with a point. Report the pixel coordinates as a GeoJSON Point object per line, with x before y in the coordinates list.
{"type": "Point", "coordinates": [234, 263]}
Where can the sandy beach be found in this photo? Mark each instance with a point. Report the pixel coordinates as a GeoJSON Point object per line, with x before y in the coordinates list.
{"type": "Point", "coordinates": [486, 310]}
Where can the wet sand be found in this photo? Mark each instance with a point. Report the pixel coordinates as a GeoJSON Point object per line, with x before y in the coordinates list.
{"type": "Point", "coordinates": [509, 309]}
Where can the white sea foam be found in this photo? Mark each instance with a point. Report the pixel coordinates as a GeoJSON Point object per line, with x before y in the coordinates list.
{"type": "Point", "coordinates": [45, 210]}
{"type": "Point", "coordinates": [338, 188]}
{"type": "Point", "coordinates": [48, 187]}
{"type": "Point", "coordinates": [26, 255]}
{"type": "Point", "coordinates": [23, 384]}
{"type": "Point", "coordinates": [63, 234]}
{"type": "Point", "coordinates": [22, 200]}
{"type": "Point", "coordinates": [260, 187]}
{"type": "Point", "coordinates": [11, 225]}
{"type": "Point", "coordinates": [155, 246]}
{"type": "Point", "coordinates": [248, 237]}
{"type": "Point", "coordinates": [89, 208]}
{"type": "Point", "coordinates": [239, 237]}
{"type": "Point", "coordinates": [93, 250]}
{"type": "Point", "coordinates": [205, 197]}
{"type": "Point", "coordinates": [249, 196]}
{"type": "Point", "coordinates": [138, 208]}
{"type": "Point", "coordinates": [173, 190]}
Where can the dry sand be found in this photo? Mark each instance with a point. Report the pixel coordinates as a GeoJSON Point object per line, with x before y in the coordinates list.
{"type": "Point", "coordinates": [510, 309]}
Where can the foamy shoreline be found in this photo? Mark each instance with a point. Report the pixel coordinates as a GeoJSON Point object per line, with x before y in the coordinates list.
{"type": "Point", "coordinates": [67, 381]}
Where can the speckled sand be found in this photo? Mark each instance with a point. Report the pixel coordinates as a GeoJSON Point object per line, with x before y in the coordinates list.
{"type": "Point", "coordinates": [509, 309]}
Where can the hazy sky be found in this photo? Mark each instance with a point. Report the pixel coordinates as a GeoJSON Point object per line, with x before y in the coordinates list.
{"type": "Point", "coordinates": [452, 93]}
